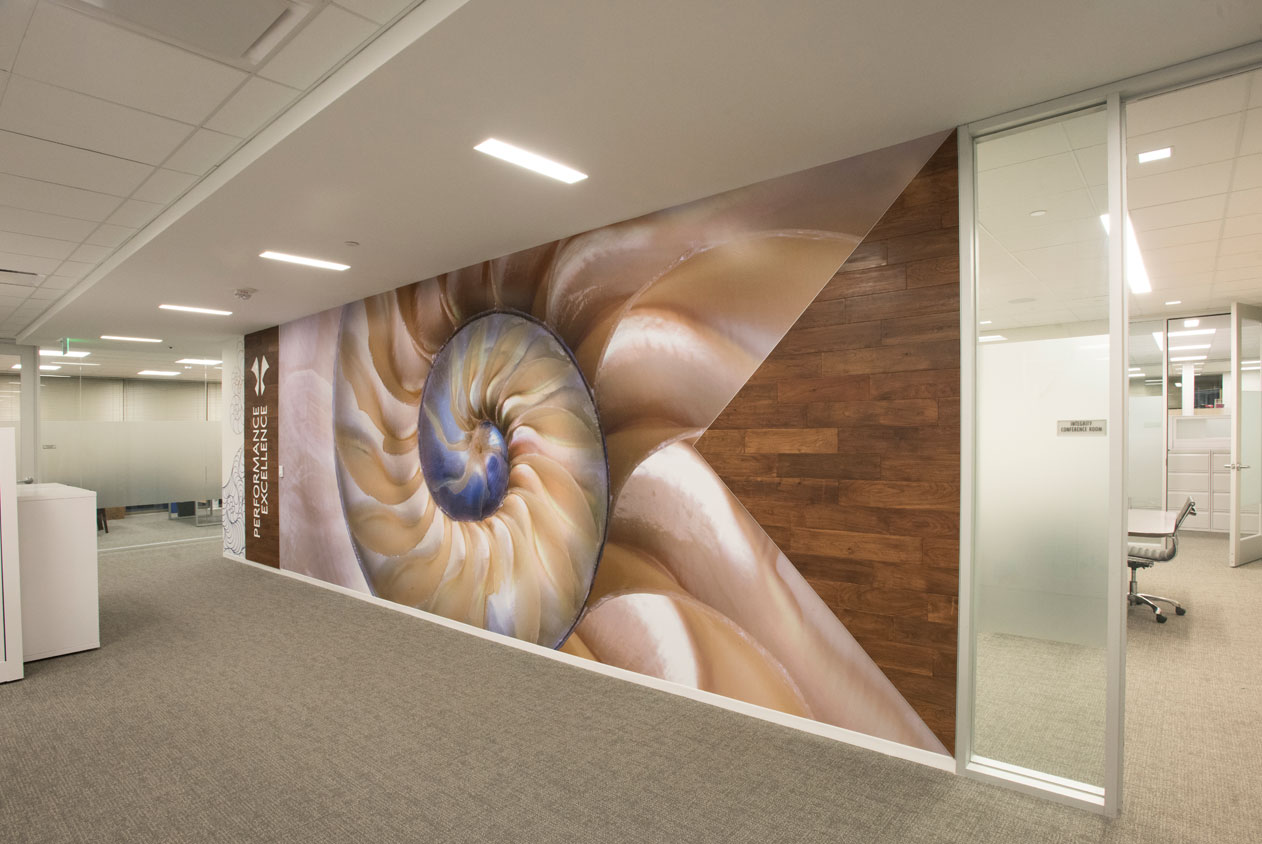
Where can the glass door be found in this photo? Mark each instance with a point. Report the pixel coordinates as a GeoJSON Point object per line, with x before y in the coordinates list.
{"type": "Point", "coordinates": [1246, 435]}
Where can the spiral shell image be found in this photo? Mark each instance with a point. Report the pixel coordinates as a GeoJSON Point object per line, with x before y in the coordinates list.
{"type": "Point", "coordinates": [474, 479]}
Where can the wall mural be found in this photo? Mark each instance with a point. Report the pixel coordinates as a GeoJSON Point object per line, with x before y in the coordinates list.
{"type": "Point", "coordinates": [511, 445]}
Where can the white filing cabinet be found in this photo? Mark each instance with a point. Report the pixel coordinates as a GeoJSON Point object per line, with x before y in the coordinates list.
{"type": "Point", "coordinates": [1201, 474]}
{"type": "Point", "coordinates": [57, 554]}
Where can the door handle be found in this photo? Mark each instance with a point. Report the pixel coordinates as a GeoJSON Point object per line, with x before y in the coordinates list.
{"type": "Point", "coordinates": [1235, 466]}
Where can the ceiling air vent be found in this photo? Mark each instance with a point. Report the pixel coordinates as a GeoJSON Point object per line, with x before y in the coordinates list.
{"type": "Point", "coordinates": [242, 32]}
{"type": "Point", "coordinates": [21, 277]}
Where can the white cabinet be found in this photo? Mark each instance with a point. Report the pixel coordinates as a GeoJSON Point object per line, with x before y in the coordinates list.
{"type": "Point", "coordinates": [10, 580]}
{"type": "Point", "coordinates": [57, 550]}
{"type": "Point", "coordinates": [1201, 474]}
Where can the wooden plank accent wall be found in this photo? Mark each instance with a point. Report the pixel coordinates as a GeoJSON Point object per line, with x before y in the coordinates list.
{"type": "Point", "coordinates": [845, 445]}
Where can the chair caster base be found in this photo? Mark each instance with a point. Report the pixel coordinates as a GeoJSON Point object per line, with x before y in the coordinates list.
{"type": "Point", "coordinates": [1180, 611]}
{"type": "Point", "coordinates": [1161, 619]}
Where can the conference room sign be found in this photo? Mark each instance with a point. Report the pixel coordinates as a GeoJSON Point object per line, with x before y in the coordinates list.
{"type": "Point", "coordinates": [1082, 428]}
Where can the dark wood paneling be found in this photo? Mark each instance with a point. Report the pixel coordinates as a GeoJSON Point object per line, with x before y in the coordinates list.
{"type": "Point", "coordinates": [845, 444]}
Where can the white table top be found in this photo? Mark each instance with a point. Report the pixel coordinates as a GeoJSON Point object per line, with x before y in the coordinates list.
{"type": "Point", "coordinates": [1150, 522]}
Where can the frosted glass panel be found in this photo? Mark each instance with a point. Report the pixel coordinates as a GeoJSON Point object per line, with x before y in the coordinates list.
{"type": "Point", "coordinates": [1040, 555]}
{"type": "Point", "coordinates": [1250, 410]}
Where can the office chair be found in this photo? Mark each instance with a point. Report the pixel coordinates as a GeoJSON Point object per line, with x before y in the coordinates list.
{"type": "Point", "coordinates": [1143, 555]}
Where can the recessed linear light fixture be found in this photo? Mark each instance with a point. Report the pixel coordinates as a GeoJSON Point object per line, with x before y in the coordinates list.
{"type": "Point", "coordinates": [986, 322]}
{"type": "Point", "coordinates": [1191, 323]}
{"type": "Point", "coordinates": [209, 362]}
{"type": "Point", "coordinates": [1247, 362]}
{"type": "Point", "coordinates": [156, 372]}
{"type": "Point", "coordinates": [1193, 347]}
{"type": "Point", "coordinates": [1136, 375]}
{"type": "Point", "coordinates": [190, 309]}
{"type": "Point", "coordinates": [1187, 358]}
{"type": "Point", "coordinates": [1194, 332]}
{"type": "Point", "coordinates": [1175, 302]}
{"type": "Point", "coordinates": [991, 338]}
{"type": "Point", "coordinates": [531, 161]}
{"type": "Point", "coordinates": [1038, 213]}
{"type": "Point", "coordinates": [1136, 273]}
{"type": "Point", "coordinates": [306, 262]}
{"type": "Point", "coordinates": [44, 367]}
{"type": "Point", "coordinates": [130, 339]}
{"type": "Point", "coordinates": [57, 353]}
{"type": "Point", "coordinates": [1154, 155]}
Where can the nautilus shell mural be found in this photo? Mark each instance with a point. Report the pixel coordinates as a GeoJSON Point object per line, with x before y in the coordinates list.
{"type": "Point", "coordinates": [511, 445]}
{"type": "Point", "coordinates": [474, 480]}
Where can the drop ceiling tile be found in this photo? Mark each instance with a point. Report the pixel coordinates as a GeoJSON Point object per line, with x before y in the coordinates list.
{"type": "Point", "coordinates": [1094, 163]}
{"type": "Point", "coordinates": [4, 83]}
{"type": "Point", "coordinates": [26, 264]}
{"type": "Point", "coordinates": [1244, 202]}
{"type": "Point", "coordinates": [1255, 99]}
{"type": "Point", "coordinates": [1234, 274]}
{"type": "Point", "coordinates": [1087, 130]}
{"type": "Point", "coordinates": [39, 224]}
{"type": "Point", "coordinates": [1247, 224]}
{"type": "Point", "coordinates": [1251, 143]}
{"type": "Point", "coordinates": [135, 213]}
{"type": "Point", "coordinates": [91, 254]}
{"type": "Point", "coordinates": [13, 291]}
{"type": "Point", "coordinates": [318, 46]}
{"type": "Point", "coordinates": [39, 247]}
{"type": "Point", "coordinates": [1203, 251]}
{"type": "Point", "coordinates": [379, 11]}
{"type": "Point", "coordinates": [1237, 245]}
{"type": "Point", "coordinates": [14, 16]}
{"type": "Point", "coordinates": [1179, 213]}
{"type": "Point", "coordinates": [202, 151]}
{"type": "Point", "coordinates": [1190, 145]}
{"type": "Point", "coordinates": [64, 165]}
{"type": "Point", "coordinates": [1020, 147]}
{"type": "Point", "coordinates": [110, 235]}
{"type": "Point", "coordinates": [1187, 105]}
{"type": "Point", "coordinates": [1178, 235]}
{"type": "Point", "coordinates": [46, 294]}
{"type": "Point", "coordinates": [67, 117]}
{"type": "Point", "coordinates": [1241, 261]}
{"type": "Point", "coordinates": [59, 282]}
{"type": "Point", "coordinates": [248, 109]}
{"type": "Point", "coordinates": [1248, 173]}
{"type": "Point", "coordinates": [1177, 185]}
{"type": "Point", "coordinates": [84, 54]}
{"type": "Point", "coordinates": [1166, 270]}
{"type": "Point", "coordinates": [34, 195]}
{"type": "Point", "coordinates": [75, 269]}
{"type": "Point", "coordinates": [164, 186]}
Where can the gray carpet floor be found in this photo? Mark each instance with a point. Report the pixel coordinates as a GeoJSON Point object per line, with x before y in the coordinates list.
{"type": "Point", "coordinates": [230, 704]}
{"type": "Point", "coordinates": [1041, 705]}
{"type": "Point", "coordinates": [150, 528]}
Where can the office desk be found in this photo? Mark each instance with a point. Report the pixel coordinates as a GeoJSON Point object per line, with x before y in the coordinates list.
{"type": "Point", "coordinates": [1151, 523]}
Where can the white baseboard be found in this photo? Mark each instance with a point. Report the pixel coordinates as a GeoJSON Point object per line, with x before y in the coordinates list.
{"type": "Point", "coordinates": [806, 725]}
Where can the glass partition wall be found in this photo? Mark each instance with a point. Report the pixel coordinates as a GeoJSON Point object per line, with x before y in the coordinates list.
{"type": "Point", "coordinates": [147, 445]}
{"type": "Point", "coordinates": [1048, 357]}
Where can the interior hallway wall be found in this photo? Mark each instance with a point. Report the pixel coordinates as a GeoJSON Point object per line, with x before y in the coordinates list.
{"type": "Point", "coordinates": [845, 445]}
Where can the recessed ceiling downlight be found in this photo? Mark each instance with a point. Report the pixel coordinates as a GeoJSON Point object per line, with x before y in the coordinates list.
{"type": "Point", "coordinates": [531, 161]}
{"type": "Point", "coordinates": [306, 262]}
{"type": "Point", "coordinates": [192, 310]}
{"type": "Point", "coordinates": [130, 339]}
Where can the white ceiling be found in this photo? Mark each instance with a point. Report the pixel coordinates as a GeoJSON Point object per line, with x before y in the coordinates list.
{"type": "Point", "coordinates": [101, 127]}
{"type": "Point", "coordinates": [104, 123]}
